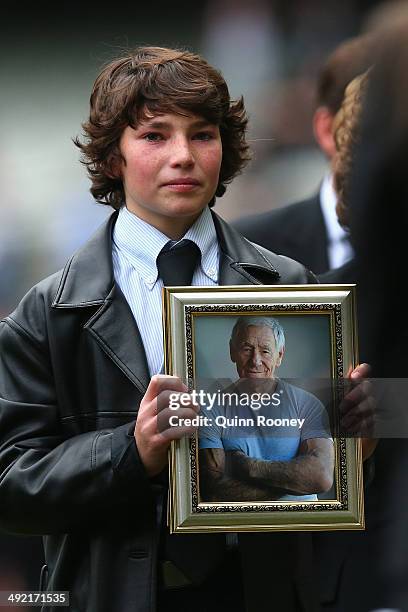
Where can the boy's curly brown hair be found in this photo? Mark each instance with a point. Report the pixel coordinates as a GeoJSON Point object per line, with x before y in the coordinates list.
{"type": "Point", "coordinates": [151, 80]}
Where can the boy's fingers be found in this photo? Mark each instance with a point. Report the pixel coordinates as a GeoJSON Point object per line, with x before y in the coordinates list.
{"type": "Point", "coordinates": [361, 371]}
{"type": "Point", "coordinates": [160, 382]}
{"type": "Point", "coordinates": [173, 419]}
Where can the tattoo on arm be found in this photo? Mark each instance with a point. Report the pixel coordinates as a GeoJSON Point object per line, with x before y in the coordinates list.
{"type": "Point", "coordinates": [216, 484]}
{"type": "Point", "coordinates": [311, 471]}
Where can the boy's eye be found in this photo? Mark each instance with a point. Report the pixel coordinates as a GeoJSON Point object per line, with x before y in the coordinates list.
{"type": "Point", "coordinates": [203, 136]}
{"type": "Point", "coordinates": [153, 137]}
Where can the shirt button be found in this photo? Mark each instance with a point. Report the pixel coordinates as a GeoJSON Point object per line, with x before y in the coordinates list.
{"type": "Point", "coordinates": [150, 280]}
{"type": "Point", "coordinates": [211, 272]}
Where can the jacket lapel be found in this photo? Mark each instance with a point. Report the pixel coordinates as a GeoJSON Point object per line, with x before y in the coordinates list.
{"type": "Point", "coordinates": [88, 283]}
{"type": "Point", "coordinates": [241, 262]}
{"type": "Point", "coordinates": [115, 330]}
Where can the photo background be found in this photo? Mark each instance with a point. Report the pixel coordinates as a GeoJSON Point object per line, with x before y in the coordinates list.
{"type": "Point", "coordinates": [307, 347]}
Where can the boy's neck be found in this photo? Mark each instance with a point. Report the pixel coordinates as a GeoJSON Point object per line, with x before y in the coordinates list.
{"type": "Point", "coordinates": [172, 227]}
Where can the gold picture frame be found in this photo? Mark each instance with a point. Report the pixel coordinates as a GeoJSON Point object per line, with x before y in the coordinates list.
{"type": "Point", "coordinates": [196, 323]}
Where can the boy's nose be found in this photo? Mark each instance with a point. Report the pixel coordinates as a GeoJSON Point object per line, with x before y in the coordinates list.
{"type": "Point", "coordinates": [182, 154]}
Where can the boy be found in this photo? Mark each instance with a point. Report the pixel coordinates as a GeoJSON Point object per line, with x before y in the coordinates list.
{"type": "Point", "coordinates": [81, 459]}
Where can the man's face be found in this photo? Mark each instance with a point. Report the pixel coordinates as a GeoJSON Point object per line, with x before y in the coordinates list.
{"type": "Point", "coordinates": [170, 170]}
{"type": "Point", "coordinates": [255, 353]}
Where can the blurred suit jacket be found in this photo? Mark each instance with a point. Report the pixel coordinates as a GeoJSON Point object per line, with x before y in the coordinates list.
{"type": "Point", "coordinates": [297, 231]}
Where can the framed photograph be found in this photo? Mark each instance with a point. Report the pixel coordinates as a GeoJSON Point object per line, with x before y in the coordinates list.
{"type": "Point", "coordinates": [267, 366]}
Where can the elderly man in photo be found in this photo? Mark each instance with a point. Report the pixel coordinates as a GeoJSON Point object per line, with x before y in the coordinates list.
{"type": "Point", "coordinates": [279, 450]}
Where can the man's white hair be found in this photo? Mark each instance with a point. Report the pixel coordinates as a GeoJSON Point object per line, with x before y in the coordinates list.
{"type": "Point", "coordinates": [244, 321]}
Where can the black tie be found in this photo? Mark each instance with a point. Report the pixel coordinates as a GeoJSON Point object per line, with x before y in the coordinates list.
{"type": "Point", "coordinates": [176, 268]}
{"type": "Point", "coordinates": [176, 265]}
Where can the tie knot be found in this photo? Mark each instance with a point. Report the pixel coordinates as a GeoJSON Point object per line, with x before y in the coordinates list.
{"type": "Point", "coordinates": [176, 262]}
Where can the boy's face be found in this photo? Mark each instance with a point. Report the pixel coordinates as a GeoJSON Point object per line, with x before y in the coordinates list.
{"type": "Point", "coordinates": [170, 170]}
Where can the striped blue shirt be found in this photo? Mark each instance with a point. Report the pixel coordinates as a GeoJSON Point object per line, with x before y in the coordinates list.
{"type": "Point", "coordinates": [136, 245]}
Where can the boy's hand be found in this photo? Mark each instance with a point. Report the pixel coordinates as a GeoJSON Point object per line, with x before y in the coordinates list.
{"type": "Point", "coordinates": [153, 433]}
{"type": "Point", "coordinates": [358, 409]}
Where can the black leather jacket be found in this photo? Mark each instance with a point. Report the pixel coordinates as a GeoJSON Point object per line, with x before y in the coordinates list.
{"type": "Point", "coordinates": [72, 374]}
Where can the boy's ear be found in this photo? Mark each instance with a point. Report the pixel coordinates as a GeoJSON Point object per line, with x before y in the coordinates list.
{"type": "Point", "coordinates": [113, 164]}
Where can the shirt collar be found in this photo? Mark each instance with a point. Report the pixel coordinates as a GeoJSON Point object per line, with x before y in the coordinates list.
{"type": "Point", "coordinates": [203, 233]}
{"type": "Point", "coordinates": [328, 200]}
{"type": "Point", "coordinates": [140, 243]}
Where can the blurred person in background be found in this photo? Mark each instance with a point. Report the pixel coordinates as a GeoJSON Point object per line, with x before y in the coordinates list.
{"type": "Point", "coordinates": [378, 196]}
{"type": "Point", "coordinates": [346, 130]}
{"type": "Point", "coordinates": [308, 231]}
{"type": "Point", "coordinates": [360, 572]}
{"type": "Point", "coordinates": [347, 563]}
{"type": "Point", "coordinates": [379, 226]}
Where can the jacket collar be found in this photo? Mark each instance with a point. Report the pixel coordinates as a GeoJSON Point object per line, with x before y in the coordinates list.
{"type": "Point", "coordinates": [88, 278]}
{"type": "Point", "coordinates": [241, 262]}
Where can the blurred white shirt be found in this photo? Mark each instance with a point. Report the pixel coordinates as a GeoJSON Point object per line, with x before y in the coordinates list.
{"type": "Point", "coordinates": [339, 248]}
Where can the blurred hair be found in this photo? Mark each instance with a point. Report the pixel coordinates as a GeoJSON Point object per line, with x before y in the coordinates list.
{"type": "Point", "coordinates": [346, 62]}
{"type": "Point", "coordinates": [243, 322]}
{"type": "Point", "coordinates": [149, 81]}
{"type": "Point", "coordinates": [386, 15]}
{"type": "Point", "coordinates": [346, 126]}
